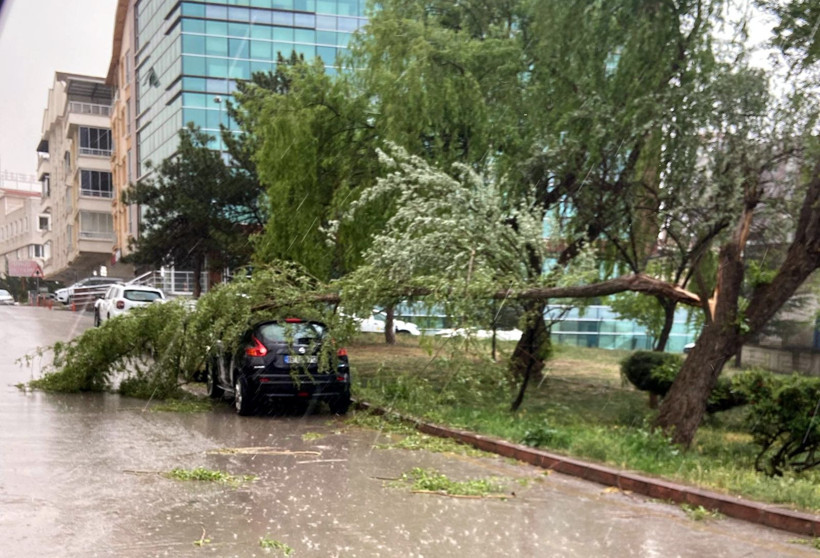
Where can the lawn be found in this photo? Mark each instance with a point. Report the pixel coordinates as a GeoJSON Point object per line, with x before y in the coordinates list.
{"type": "Point", "coordinates": [580, 407]}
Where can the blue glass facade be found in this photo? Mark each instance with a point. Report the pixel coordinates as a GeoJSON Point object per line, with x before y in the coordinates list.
{"type": "Point", "coordinates": [190, 54]}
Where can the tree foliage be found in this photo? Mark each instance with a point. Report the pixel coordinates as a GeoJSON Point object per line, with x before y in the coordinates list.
{"type": "Point", "coordinates": [193, 208]}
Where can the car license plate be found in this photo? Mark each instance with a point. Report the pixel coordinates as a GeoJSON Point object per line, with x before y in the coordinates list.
{"type": "Point", "coordinates": [301, 359]}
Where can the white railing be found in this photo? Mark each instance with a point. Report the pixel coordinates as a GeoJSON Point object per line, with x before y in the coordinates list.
{"type": "Point", "coordinates": [171, 281]}
{"type": "Point", "coordinates": [96, 194]}
{"type": "Point", "coordinates": [95, 152]}
{"type": "Point", "coordinates": [89, 108]}
{"type": "Point", "coordinates": [89, 235]}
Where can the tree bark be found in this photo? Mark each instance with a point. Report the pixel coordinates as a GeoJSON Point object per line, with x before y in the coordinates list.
{"type": "Point", "coordinates": [669, 307]}
{"type": "Point", "coordinates": [527, 359]}
{"type": "Point", "coordinates": [198, 276]}
{"type": "Point", "coordinates": [389, 325]}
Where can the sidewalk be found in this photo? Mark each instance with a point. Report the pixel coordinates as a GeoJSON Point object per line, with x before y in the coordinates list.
{"type": "Point", "coordinates": [764, 514]}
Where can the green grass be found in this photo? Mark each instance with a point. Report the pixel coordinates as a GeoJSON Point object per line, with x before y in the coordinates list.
{"type": "Point", "coordinates": [201, 474]}
{"type": "Point", "coordinates": [581, 408]}
{"type": "Point", "coordinates": [430, 480]}
{"type": "Point", "coordinates": [269, 543]}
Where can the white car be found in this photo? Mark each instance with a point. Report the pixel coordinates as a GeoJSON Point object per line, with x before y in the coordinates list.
{"type": "Point", "coordinates": [6, 298]}
{"type": "Point", "coordinates": [500, 334]}
{"type": "Point", "coordinates": [375, 324]}
{"type": "Point", "coordinates": [119, 299]}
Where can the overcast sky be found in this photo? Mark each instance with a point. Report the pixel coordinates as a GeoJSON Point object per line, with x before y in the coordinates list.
{"type": "Point", "coordinates": [38, 38]}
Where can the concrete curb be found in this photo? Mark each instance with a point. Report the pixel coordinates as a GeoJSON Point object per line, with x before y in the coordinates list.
{"type": "Point", "coordinates": [730, 506]}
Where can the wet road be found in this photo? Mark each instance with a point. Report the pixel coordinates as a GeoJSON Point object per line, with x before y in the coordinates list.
{"type": "Point", "coordinates": [80, 476]}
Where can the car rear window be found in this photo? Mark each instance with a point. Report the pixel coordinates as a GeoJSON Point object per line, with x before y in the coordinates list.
{"type": "Point", "coordinates": [141, 296]}
{"type": "Point", "coordinates": [299, 333]}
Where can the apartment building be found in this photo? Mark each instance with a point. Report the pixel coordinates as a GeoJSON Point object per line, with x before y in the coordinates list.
{"type": "Point", "coordinates": [74, 168]}
{"type": "Point", "coordinates": [121, 78]}
{"type": "Point", "coordinates": [23, 228]}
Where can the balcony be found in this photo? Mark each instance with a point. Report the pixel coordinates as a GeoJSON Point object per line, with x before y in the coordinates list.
{"type": "Point", "coordinates": [89, 108]}
{"type": "Point", "coordinates": [102, 194]}
{"type": "Point", "coordinates": [95, 152]}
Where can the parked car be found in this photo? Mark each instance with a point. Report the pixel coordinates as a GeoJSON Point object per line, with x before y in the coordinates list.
{"type": "Point", "coordinates": [89, 284]}
{"type": "Point", "coordinates": [281, 360]}
{"type": "Point", "coordinates": [121, 298]}
{"type": "Point", "coordinates": [500, 334]}
{"type": "Point", "coordinates": [6, 298]}
{"type": "Point", "coordinates": [375, 324]}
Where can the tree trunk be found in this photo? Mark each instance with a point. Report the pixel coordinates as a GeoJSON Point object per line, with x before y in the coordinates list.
{"type": "Point", "coordinates": [683, 407]}
{"type": "Point", "coordinates": [668, 321]}
{"type": "Point", "coordinates": [197, 276]}
{"type": "Point", "coordinates": [389, 325]}
{"type": "Point", "coordinates": [528, 357]}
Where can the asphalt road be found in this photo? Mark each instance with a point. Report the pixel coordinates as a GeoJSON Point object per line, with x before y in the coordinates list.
{"type": "Point", "coordinates": [82, 475]}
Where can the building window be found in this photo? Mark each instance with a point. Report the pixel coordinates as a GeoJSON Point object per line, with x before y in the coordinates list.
{"type": "Point", "coordinates": [96, 226]}
{"type": "Point", "coordinates": [67, 162]}
{"type": "Point", "coordinates": [46, 182]}
{"type": "Point", "coordinates": [96, 184]}
{"type": "Point", "coordinates": [37, 251]}
{"type": "Point", "coordinates": [44, 222]}
{"type": "Point", "coordinates": [95, 141]}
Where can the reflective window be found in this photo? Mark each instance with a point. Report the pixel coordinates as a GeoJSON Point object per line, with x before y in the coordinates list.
{"type": "Point", "coordinates": [216, 27]}
{"type": "Point", "coordinates": [283, 18]}
{"type": "Point", "coordinates": [216, 46]}
{"type": "Point", "coordinates": [193, 65]}
{"type": "Point", "coordinates": [193, 26]}
{"type": "Point", "coordinates": [348, 23]}
{"type": "Point", "coordinates": [326, 22]}
{"type": "Point", "coordinates": [304, 36]}
{"type": "Point", "coordinates": [348, 7]}
{"type": "Point", "coordinates": [239, 14]}
{"type": "Point", "coordinates": [326, 37]}
{"type": "Point", "coordinates": [238, 48]}
{"type": "Point", "coordinates": [283, 4]}
{"type": "Point", "coordinates": [261, 50]}
{"type": "Point", "coordinates": [304, 20]}
{"type": "Point", "coordinates": [216, 12]}
{"type": "Point", "coordinates": [304, 5]}
{"type": "Point", "coordinates": [239, 30]}
{"type": "Point", "coordinates": [193, 44]}
{"type": "Point", "coordinates": [283, 34]}
{"type": "Point", "coordinates": [191, 9]}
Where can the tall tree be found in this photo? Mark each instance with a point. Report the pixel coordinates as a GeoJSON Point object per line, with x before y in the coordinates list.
{"type": "Point", "coordinates": [194, 210]}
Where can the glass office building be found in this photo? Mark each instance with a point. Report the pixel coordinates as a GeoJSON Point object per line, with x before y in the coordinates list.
{"type": "Point", "coordinates": [190, 54]}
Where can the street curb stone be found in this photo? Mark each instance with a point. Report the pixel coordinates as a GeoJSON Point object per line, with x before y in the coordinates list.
{"type": "Point", "coordinates": [730, 506]}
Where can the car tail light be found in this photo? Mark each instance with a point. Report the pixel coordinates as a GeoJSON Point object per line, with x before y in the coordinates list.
{"type": "Point", "coordinates": [120, 304]}
{"type": "Point", "coordinates": [293, 320]}
{"type": "Point", "coordinates": [257, 350]}
{"type": "Point", "coordinates": [341, 352]}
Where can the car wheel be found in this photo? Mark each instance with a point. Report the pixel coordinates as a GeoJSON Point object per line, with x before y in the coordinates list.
{"type": "Point", "coordinates": [340, 404]}
{"type": "Point", "coordinates": [214, 390]}
{"type": "Point", "coordinates": [243, 400]}
{"type": "Point", "coordinates": [97, 321]}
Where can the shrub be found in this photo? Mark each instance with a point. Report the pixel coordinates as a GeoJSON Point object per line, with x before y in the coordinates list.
{"type": "Point", "coordinates": [654, 372]}
{"type": "Point", "coordinates": [651, 371]}
{"type": "Point", "coordinates": [782, 419]}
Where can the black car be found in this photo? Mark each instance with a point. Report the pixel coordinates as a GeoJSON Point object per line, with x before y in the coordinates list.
{"type": "Point", "coordinates": [280, 360]}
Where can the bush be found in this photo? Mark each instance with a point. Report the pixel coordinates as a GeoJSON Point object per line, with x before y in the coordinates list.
{"type": "Point", "coordinates": [654, 372]}
{"type": "Point", "coordinates": [783, 420]}
{"type": "Point", "coordinates": [651, 371]}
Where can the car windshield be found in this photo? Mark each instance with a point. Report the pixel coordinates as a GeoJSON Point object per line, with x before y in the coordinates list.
{"type": "Point", "coordinates": [301, 333]}
{"type": "Point", "coordinates": [4, 292]}
{"type": "Point", "coordinates": [141, 296]}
